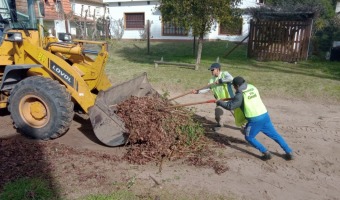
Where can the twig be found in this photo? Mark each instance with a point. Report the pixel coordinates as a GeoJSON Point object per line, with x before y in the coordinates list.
{"type": "Point", "coordinates": [161, 164]}
{"type": "Point", "coordinates": [146, 156]}
{"type": "Point", "coordinates": [171, 153]}
{"type": "Point", "coordinates": [156, 182]}
{"type": "Point", "coordinates": [269, 183]}
{"type": "Point", "coordinates": [114, 105]}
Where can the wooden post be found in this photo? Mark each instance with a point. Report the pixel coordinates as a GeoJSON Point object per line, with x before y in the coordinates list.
{"type": "Point", "coordinates": [94, 34]}
{"type": "Point", "coordinates": [236, 46]}
{"type": "Point", "coordinates": [194, 47]}
{"type": "Point", "coordinates": [66, 23]}
{"type": "Point", "coordinates": [148, 35]}
{"type": "Point", "coordinates": [309, 36]}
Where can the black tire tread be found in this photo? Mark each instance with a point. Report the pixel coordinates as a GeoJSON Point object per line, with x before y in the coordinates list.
{"type": "Point", "coordinates": [61, 97]}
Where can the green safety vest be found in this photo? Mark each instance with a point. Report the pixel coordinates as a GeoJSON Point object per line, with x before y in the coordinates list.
{"type": "Point", "coordinates": [221, 90]}
{"type": "Point", "coordinates": [253, 105]}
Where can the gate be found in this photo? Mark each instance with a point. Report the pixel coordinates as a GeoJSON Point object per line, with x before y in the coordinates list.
{"type": "Point", "coordinates": [279, 40]}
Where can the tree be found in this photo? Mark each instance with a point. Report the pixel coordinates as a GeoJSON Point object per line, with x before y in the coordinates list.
{"type": "Point", "coordinates": [198, 15]}
{"type": "Point", "coordinates": [324, 9]}
{"type": "Point", "coordinates": [325, 26]}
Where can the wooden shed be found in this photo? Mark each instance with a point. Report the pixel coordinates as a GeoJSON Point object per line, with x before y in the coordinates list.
{"type": "Point", "coordinates": [280, 36]}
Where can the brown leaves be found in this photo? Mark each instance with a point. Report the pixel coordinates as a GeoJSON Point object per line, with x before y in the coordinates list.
{"type": "Point", "coordinates": [145, 119]}
{"type": "Point", "coordinates": [157, 133]}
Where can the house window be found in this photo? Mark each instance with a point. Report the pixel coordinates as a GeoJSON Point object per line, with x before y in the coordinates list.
{"type": "Point", "coordinates": [134, 20]}
{"type": "Point", "coordinates": [172, 29]}
{"type": "Point", "coordinates": [97, 9]}
{"type": "Point", "coordinates": [260, 1]}
{"type": "Point", "coordinates": [232, 28]}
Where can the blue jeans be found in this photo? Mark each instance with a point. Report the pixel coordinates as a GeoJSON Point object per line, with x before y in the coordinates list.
{"type": "Point", "coordinates": [263, 124]}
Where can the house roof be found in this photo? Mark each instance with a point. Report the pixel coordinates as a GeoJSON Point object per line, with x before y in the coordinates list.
{"type": "Point", "coordinates": [51, 12]}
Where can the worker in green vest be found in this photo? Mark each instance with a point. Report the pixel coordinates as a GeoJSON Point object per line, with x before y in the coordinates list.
{"type": "Point", "coordinates": [247, 98]}
{"type": "Point", "coordinates": [221, 86]}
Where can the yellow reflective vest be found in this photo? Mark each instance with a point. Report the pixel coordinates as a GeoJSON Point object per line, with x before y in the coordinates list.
{"type": "Point", "coordinates": [253, 105]}
{"type": "Point", "coordinates": [221, 90]}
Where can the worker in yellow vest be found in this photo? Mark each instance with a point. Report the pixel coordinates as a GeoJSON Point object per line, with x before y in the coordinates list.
{"type": "Point", "coordinates": [247, 98]}
{"type": "Point", "coordinates": [221, 86]}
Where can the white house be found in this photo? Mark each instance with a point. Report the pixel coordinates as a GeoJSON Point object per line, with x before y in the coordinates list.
{"type": "Point", "coordinates": [136, 13]}
{"type": "Point", "coordinates": [94, 8]}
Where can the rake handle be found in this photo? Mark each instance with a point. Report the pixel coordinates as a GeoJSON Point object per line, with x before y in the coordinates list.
{"type": "Point", "coordinates": [196, 103]}
{"type": "Point", "coordinates": [190, 92]}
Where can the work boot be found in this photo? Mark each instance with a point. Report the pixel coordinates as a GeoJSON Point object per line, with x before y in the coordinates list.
{"type": "Point", "coordinates": [266, 156]}
{"type": "Point", "coordinates": [218, 126]}
{"type": "Point", "coordinates": [289, 156]}
{"type": "Point", "coordinates": [243, 130]}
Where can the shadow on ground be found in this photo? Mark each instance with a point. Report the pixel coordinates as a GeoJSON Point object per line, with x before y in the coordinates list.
{"type": "Point", "coordinates": [224, 139]}
{"type": "Point", "coordinates": [22, 158]}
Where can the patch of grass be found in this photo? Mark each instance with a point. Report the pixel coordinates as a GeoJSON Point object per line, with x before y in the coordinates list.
{"type": "Point", "coordinates": [27, 188]}
{"type": "Point", "coordinates": [151, 195]}
{"type": "Point", "coordinates": [121, 195]}
{"type": "Point", "coordinates": [192, 131]}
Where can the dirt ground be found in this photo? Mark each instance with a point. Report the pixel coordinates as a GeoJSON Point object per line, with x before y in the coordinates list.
{"type": "Point", "coordinates": [79, 165]}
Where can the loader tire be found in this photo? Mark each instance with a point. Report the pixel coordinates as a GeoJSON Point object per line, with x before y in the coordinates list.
{"type": "Point", "coordinates": [41, 108]}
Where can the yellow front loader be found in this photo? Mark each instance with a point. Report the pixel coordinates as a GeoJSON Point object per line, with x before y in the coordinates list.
{"type": "Point", "coordinates": [42, 78]}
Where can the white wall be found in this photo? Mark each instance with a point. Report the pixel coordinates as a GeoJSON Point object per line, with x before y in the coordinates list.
{"type": "Point", "coordinates": [248, 4]}
{"type": "Point", "coordinates": [99, 9]}
{"type": "Point", "coordinates": [117, 12]}
{"type": "Point", "coordinates": [337, 9]}
{"type": "Point", "coordinates": [214, 34]}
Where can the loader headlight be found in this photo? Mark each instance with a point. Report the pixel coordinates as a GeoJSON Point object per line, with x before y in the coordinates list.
{"type": "Point", "coordinates": [65, 37]}
{"type": "Point", "coordinates": [14, 37]}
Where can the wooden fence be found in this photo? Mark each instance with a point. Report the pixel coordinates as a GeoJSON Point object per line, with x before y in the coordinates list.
{"type": "Point", "coordinates": [279, 40]}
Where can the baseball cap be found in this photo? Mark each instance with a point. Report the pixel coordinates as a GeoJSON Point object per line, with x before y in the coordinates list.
{"type": "Point", "coordinates": [214, 66]}
{"type": "Point", "coordinates": [238, 80]}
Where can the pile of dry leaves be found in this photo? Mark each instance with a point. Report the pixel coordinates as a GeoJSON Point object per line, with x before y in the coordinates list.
{"type": "Point", "coordinates": [158, 131]}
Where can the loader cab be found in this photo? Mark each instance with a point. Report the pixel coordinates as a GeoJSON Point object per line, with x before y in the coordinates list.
{"type": "Point", "coordinates": [3, 26]}
{"type": "Point", "coordinates": [19, 18]}
{"type": "Point", "coordinates": [22, 18]}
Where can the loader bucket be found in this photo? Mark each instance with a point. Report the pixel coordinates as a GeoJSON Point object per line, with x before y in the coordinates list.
{"type": "Point", "coordinates": [109, 127]}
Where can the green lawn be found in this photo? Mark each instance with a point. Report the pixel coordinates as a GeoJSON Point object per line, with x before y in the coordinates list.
{"type": "Point", "coordinates": [313, 79]}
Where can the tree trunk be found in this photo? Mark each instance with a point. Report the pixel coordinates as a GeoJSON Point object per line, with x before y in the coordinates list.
{"type": "Point", "coordinates": [85, 25]}
{"type": "Point", "coordinates": [94, 34]}
{"type": "Point", "coordinates": [199, 51]}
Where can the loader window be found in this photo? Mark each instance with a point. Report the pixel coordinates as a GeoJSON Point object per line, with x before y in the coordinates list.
{"type": "Point", "coordinates": [23, 16]}
{"type": "Point", "coordinates": [4, 24]}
